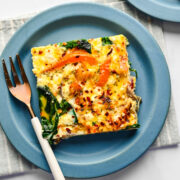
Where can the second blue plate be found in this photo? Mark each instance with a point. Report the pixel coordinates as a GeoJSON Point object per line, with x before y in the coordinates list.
{"type": "Point", "coordinates": [163, 9]}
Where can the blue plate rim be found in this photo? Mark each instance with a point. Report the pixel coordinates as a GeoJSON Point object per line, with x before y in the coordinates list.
{"type": "Point", "coordinates": [157, 9]}
{"type": "Point", "coordinates": [96, 169]}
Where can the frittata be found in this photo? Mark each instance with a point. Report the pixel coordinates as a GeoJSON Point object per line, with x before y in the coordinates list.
{"type": "Point", "coordinates": [85, 87]}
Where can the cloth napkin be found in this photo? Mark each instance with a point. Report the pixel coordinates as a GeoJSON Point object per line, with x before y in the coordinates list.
{"type": "Point", "coordinates": [11, 161]}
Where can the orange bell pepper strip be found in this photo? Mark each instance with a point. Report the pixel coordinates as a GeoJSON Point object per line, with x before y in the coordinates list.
{"type": "Point", "coordinates": [74, 57]}
{"type": "Point", "coordinates": [104, 73]}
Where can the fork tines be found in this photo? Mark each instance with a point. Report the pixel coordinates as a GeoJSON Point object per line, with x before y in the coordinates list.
{"type": "Point", "coordinates": [15, 76]}
{"type": "Point", "coordinates": [7, 78]}
{"type": "Point", "coordinates": [24, 77]}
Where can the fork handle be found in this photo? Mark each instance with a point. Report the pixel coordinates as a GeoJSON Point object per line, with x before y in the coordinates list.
{"type": "Point", "coordinates": [50, 157]}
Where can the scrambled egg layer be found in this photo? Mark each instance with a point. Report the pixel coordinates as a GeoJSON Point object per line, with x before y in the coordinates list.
{"type": "Point", "coordinates": [98, 86]}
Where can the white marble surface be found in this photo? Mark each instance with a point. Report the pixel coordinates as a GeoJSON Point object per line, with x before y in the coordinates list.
{"type": "Point", "coordinates": [160, 164]}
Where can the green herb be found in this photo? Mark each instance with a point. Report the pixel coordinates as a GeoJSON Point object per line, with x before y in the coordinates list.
{"type": "Point", "coordinates": [93, 123]}
{"type": "Point", "coordinates": [134, 126]}
{"type": "Point", "coordinates": [71, 44]}
{"type": "Point", "coordinates": [134, 70]}
{"type": "Point", "coordinates": [64, 106]}
{"type": "Point", "coordinates": [129, 63]}
{"type": "Point", "coordinates": [80, 44]}
{"type": "Point", "coordinates": [131, 69]}
{"type": "Point", "coordinates": [106, 41]}
{"type": "Point", "coordinates": [76, 119]}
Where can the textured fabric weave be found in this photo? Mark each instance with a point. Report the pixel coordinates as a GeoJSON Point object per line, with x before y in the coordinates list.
{"type": "Point", "coordinates": [12, 162]}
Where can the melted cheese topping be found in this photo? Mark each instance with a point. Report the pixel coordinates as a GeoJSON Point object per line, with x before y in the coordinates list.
{"type": "Point", "coordinates": [99, 108]}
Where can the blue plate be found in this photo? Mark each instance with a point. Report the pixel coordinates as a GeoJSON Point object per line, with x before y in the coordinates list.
{"type": "Point", "coordinates": [163, 9]}
{"type": "Point", "coordinates": [100, 154]}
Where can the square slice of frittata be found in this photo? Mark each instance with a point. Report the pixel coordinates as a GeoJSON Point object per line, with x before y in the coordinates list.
{"type": "Point", "coordinates": [85, 87]}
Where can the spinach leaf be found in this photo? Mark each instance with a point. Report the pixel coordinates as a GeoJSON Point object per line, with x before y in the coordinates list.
{"type": "Point", "coordinates": [84, 44]}
{"type": "Point", "coordinates": [106, 41]}
{"type": "Point", "coordinates": [134, 126]}
{"type": "Point", "coordinates": [47, 126]}
{"type": "Point", "coordinates": [50, 123]}
{"type": "Point", "coordinates": [48, 129]}
{"type": "Point", "coordinates": [80, 44]}
{"type": "Point", "coordinates": [45, 92]}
